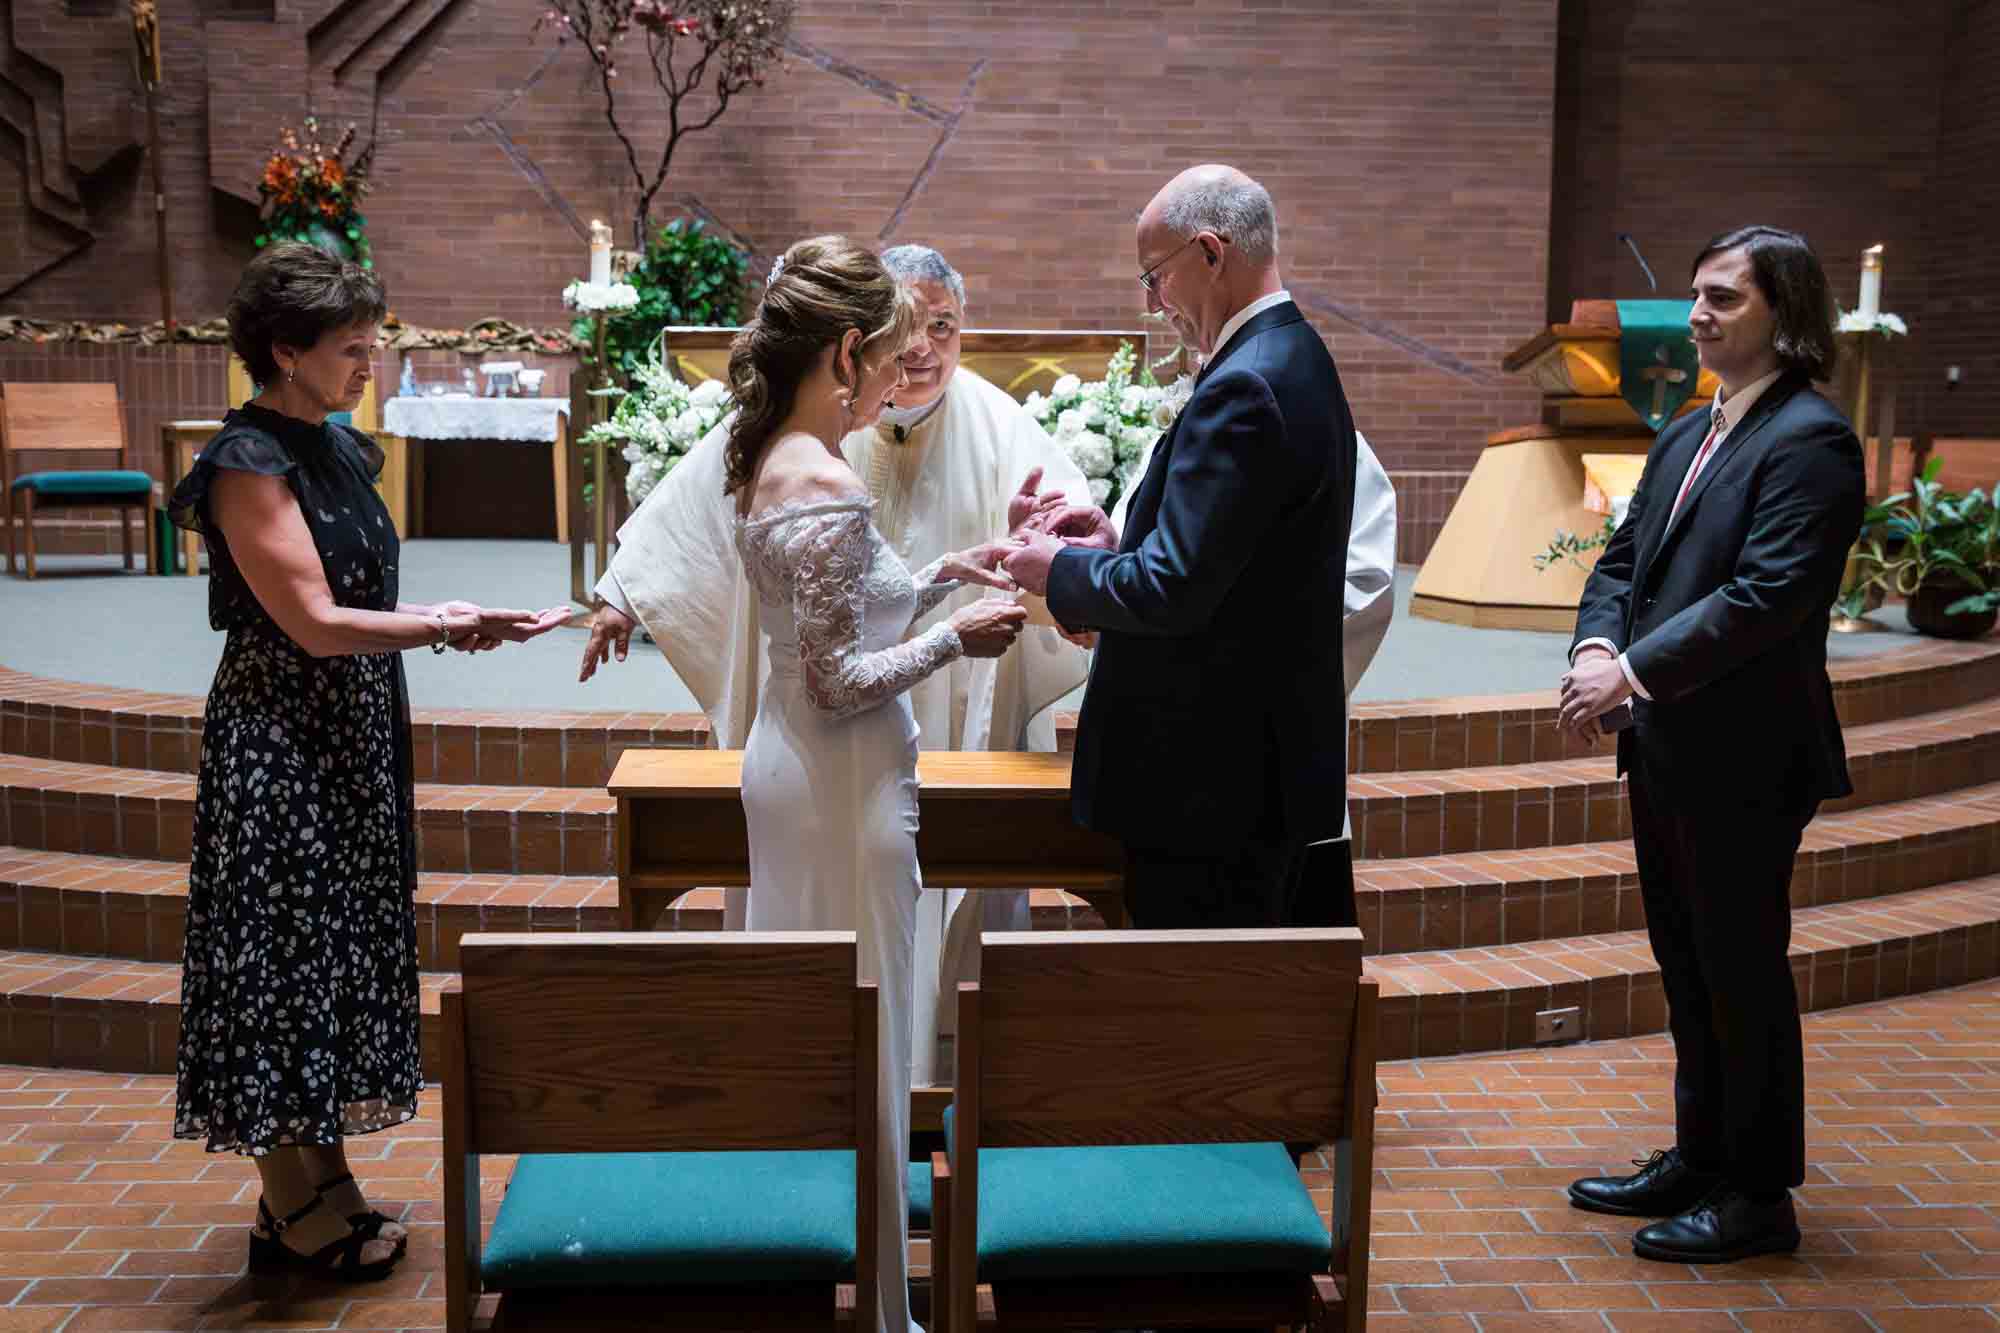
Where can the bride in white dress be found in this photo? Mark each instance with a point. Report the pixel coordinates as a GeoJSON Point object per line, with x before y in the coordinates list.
{"type": "Point", "coordinates": [830, 765]}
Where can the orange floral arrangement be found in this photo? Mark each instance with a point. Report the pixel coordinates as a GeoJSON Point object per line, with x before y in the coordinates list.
{"type": "Point", "coordinates": [311, 192]}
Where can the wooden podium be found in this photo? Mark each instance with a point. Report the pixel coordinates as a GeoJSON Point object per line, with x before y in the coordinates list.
{"type": "Point", "coordinates": [1529, 483]}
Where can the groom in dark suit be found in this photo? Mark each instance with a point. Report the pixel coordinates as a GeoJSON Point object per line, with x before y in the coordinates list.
{"type": "Point", "coordinates": [1709, 610]}
{"type": "Point", "coordinates": [1212, 738]}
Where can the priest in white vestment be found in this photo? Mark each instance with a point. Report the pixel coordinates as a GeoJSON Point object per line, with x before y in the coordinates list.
{"type": "Point", "coordinates": [943, 466]}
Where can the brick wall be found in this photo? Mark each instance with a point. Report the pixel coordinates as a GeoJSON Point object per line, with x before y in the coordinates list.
{"type": "Point", "coordinates": [1407, 145]}
{"type": "Point", "coordinates": [1963, 327]}
{"type": "Point", "coordinates": [1870, 124]}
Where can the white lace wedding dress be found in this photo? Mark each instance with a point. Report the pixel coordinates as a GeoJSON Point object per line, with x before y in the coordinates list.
{"type": "Point", "coordinates": [830, 781]}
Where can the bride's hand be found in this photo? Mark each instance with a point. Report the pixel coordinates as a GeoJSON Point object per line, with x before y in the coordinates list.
{"type": "Point", "coordinates": [1030, 502]}
{"type": "Point", "coordinates": [977, 565]}
{"type": "Point", "coordinates": [989, 626]}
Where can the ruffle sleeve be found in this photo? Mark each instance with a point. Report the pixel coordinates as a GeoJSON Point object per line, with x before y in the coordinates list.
{"type": "Point", "coordinates": [236, 450]}
{"type": "Point", "coordinates": [372, 457]}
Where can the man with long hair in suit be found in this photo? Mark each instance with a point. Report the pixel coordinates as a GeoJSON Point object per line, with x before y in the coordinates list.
{"type": "Point", "coordinates": [1708, 611]}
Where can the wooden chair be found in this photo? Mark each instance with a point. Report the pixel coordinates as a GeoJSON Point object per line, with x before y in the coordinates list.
{"type": "Point", "coordinates": [70, 418]}
{"type": "Point", "coordinates": [696, 1116]}
{"type": "Point", "coordinates": [1117, 1144]}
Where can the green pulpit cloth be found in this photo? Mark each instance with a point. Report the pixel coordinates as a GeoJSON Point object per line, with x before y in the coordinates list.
{"type": "Point", "coordinates": [1657, 363]}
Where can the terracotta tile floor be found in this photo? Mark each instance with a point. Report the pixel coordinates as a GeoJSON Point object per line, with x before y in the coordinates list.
{"type": "Point", "coordinates": [105, 1224]}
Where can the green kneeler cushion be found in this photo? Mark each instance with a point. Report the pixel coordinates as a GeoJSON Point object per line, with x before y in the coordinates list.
{"type": "Point", "coordinates": [645, 1219]}
{"type": "Point", "coordinates": [1147, 1210]}
{"type": "Point", "coordinates": [84, 486]}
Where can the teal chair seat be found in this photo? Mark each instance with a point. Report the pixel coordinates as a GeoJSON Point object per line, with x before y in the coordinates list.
{"type": "Point", "coordinates": [107, 484]}
{"type": "Point", "coordinates": [643, 1219]}
{"type": "Point", "coordinates": [1146, 1211]}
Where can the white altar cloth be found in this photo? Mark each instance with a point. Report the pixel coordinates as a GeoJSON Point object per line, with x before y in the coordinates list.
{"type": "Point", "coordinates": [458, 417]}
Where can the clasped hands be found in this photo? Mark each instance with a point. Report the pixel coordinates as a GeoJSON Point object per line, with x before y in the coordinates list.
{"type": "Point", "coordinates": [1594, 685]}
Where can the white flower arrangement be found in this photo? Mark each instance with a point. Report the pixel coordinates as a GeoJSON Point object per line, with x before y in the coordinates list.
{"type": "Point", "coordinates": [1889, 326]}
{"type": "Point", "coordinates": [657, 421]}
{"type": "Point", "coordinates": [1107, 426]}
{"type": "Point", "coordinates": [597, 298]}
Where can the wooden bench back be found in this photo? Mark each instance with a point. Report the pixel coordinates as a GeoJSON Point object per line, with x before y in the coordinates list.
{"type": "Point", "coordinates": [1128, 1037]}
{"type": "Point", "coordinates": [658, 1043]}
{"type": "Point", "coordinates": [61, 418]}
{"type": "Point", "coordinates": [1019, 361]}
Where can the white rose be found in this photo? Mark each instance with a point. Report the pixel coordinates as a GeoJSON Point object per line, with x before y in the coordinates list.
{"type": "Point", "coordinates": [1133, 401]}
{"type": "Point", "coordinates": [709, 393]}
{"type": "Point", "coordinates": [687, 426]}
{"type": "Point", "coordinates": [1092, 454]}
{"type": "Point", "coordinates": [1065, 386]}
{"type": "Point", "coordinates": [1100, 490]}
{"type": "Point", "coordinates": [1163, 414]}
{"type": "Point", "coordinates": [1034, 404]}
{"type": "Point", "coordinates": [1094, 413]}
{"type": "Point", "coordinates": [1069, 424]}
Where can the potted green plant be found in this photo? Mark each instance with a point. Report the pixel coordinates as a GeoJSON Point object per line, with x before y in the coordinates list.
{"type": "Point", "coordinates": [1937, 549]}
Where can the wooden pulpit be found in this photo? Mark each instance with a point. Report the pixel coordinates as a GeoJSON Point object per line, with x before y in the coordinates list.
{"type": "Point", "coordinates": [1530, 481]}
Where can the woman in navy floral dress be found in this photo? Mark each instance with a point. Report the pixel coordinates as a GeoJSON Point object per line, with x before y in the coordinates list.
{"type": "Point", "coordinates": [299, 984]}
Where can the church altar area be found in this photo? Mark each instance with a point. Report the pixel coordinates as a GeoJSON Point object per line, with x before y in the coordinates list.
{"type": "Point", "coordinates": [85, 620]}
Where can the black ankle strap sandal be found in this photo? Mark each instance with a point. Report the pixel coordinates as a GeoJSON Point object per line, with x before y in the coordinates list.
{"type": "Point", "coordinates": [369, 1223]}
{"type": "Point", "coordinates": [338, 1260]}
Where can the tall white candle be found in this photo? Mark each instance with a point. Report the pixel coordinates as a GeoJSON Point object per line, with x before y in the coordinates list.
{"type": "Point", "coordinates": [1870, 304]}
{"type": "Point", "coordinates": [600, 253]}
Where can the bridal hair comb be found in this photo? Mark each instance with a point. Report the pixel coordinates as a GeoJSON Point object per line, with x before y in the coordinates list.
{"type": "Point", "coordinates": [777, 267]}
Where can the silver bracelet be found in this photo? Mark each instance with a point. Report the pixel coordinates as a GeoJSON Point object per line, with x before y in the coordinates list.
{"type": "Point", "coordinates": [444, 632]}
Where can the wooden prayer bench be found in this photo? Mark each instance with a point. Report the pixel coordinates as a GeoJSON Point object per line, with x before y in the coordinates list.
{"type": "Point", "coordinates": [70, 419]}
{"type": "Point", "coordinates": [988, 820]}
{"type": "Point", "coordinates": [995, 820]}
{"type": "Point", "coordinates": [1117, 1137]}
{"type": "Point", "coordinates": [696, 1118]}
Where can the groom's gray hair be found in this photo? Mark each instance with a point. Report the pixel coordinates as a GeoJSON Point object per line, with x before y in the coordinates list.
{"type": "Point", "coordinates": [1231, 205]}
{"type": "Point", "coordinates": [920, 263]}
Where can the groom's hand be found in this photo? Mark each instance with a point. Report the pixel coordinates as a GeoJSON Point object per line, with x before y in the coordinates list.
{"type": "Point", "coordinates": [1078, 525]}
{"type": "Point", "coordinates": [610, 630]}
{"type": "Point", "coordinates": [1029, 566]}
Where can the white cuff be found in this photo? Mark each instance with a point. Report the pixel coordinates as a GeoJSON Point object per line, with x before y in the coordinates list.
{"type": "Point", "coordinates": [614, 596]}
{"type": "Point", "coordinates": [1632, 679]}
{"type": "Point", "coordinates": [1605, 644]}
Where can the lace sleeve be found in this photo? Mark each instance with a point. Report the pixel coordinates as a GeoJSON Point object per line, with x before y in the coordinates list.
{"type": "Point", "coordinates": [931, 589]}
{"type": "Point", "coordinates": [840, 679]}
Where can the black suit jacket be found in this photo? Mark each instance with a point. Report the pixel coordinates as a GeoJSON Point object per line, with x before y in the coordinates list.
{"type": "Point", "coordinates": [1723, 614]}
{"type": "Point", "coordinates": [1216, 708]}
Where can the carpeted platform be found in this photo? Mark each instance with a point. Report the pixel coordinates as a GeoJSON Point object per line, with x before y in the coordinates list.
{"type": "Point", "coordinates": [87, 620]}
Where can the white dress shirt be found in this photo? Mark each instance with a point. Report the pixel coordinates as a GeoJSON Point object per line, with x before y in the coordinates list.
{"type": "Point", "coordinates": [1246, 314]}
{"type": "Point", "coordinates": [1729, 413]}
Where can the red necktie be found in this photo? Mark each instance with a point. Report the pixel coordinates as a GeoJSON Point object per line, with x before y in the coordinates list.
{"type": "Point", "coordinates": [1717, 421]}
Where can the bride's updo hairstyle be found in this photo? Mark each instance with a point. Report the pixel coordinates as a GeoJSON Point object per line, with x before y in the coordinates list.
{"type": "Point", "coordinates": [822, 287]}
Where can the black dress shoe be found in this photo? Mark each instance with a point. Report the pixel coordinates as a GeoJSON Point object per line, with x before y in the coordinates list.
{"type": "Point", "coordinates": [1726, 1226]}
{"type": "Point", "coordinates": [1664, 1185]}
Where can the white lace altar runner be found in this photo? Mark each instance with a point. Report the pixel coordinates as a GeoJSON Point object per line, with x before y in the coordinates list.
{"type": "Point", "coordinates": [529, 420]}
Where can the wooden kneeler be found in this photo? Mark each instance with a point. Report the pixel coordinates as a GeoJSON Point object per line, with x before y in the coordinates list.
{"type": "Point", "coordinates": [668, 1054]}
{"type": "Point", "coordinates": [1075, 1047]}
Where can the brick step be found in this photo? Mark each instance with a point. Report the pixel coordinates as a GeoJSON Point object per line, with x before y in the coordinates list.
{"type": "Point", "coordinates": [121, 1015]}
{"type": "Point", "coordinates": [107, 906]}
{"type": "Point", "coordinates": [1480, 899]}
{"type": "Point", "coordinates": [1448, 1002]}
{"type": "Point", "coordinates": [42, 718]}
{"type": "Point", "coordinates": [519, 830]}
{"type": "Point", "coordinates": [1451, 811]}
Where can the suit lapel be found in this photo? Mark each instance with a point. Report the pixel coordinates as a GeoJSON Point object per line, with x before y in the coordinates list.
{"type": "Point", "coordinates": [1146, 499]}
{"type": "Point", "coordinates": [1760, 414]}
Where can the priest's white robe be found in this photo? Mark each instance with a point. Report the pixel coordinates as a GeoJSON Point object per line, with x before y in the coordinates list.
{"type": "Point", "coordinates": [942, 488]}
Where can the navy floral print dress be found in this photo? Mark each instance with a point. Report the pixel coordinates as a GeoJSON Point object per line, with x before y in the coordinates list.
{"type": "Point", "coordinates": [299, 983]}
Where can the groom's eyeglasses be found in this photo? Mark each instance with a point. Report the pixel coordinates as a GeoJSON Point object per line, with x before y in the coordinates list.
{"type": "Point", "coordinates": [1150, 279]}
